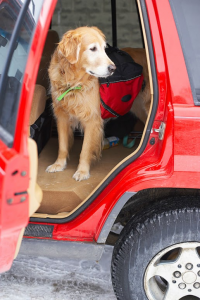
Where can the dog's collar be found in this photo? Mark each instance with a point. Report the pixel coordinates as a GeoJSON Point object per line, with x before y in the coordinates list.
{"type": "Point", "coordinates": [67, 91]}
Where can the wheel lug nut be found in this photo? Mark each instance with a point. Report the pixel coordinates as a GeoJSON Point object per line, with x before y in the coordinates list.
{"type": "Point", "coordinates": [189, 290]}
{"type": "Point", "coordinates": [198, 273]}
{"type": "Point", "coordinates": [189, 266]}
{"type": "Point", "coordinates": [182, 286]}
{"type": "Point", "coordinates": [179, 266]}
{"type": "Point", "coordinates": [196, 285]}
{"type": "Point", "coordinates": [174, 281]}
{"type": "Point", "coordinates": [198, 265]}
{"type": "Point", "coordinates": [177, 274]}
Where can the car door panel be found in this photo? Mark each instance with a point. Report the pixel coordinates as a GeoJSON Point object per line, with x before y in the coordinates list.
{"type": "Point", "coordinates": [19, 194]}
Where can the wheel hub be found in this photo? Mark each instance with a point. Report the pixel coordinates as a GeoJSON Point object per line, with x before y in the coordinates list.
{"type": "Point", "coordinates": [189, 277]}
{"type": "Point", "coordinates": [169, 277]}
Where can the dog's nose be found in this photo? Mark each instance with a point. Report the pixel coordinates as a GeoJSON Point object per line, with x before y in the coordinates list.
{"type": "Point", "coordinates": [111, 68]}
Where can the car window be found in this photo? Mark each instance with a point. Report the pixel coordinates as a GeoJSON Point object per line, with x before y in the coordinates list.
{"type": "Point", "coordinates": [187, 17]}
{"type": "Point", "coordinates": [18, 20]}
{"type": "Point", "coordinates": [72, 14]}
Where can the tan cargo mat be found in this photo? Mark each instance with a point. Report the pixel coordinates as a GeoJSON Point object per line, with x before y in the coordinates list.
{"type": "Point", "coordinates": [61, 193]}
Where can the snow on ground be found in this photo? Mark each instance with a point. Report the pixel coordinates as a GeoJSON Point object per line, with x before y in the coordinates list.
{"type": "Point", "coordinates": [43, 278]}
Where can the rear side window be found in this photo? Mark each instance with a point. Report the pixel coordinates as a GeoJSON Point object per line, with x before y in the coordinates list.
{"type": "Point", "coordinates": [72, 14]}
{"type": "Point", "coordinates": [187, 17]}
{"type": "Point", "coordinates": [17, 24]}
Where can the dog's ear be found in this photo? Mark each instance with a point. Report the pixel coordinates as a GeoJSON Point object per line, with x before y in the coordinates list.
{"type": "Point", "coordinates": [70, 46]}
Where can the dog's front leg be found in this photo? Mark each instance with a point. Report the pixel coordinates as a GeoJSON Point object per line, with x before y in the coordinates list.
{"type": "Point", "coordinates": [91, 149]}
{"type": "Point", "coordinates": [65, 136]}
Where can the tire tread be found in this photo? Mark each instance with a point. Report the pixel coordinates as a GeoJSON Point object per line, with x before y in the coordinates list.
{"type": "Point", "coordinates": [167, 223]}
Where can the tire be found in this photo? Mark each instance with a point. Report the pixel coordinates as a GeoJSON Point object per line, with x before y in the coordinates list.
{"type": "Point", "coordinates": [162, 231]}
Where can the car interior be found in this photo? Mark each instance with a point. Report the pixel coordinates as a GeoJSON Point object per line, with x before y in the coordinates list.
{"type": "Point", "coordinates": [61, 194]}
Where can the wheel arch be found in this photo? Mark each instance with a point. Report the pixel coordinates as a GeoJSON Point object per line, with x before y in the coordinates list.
{"type": "Point", "coordinates": [132, 203]}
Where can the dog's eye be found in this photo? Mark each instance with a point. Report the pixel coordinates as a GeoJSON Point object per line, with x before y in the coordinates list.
{"type": "Point", "coordinates": [93, 49]}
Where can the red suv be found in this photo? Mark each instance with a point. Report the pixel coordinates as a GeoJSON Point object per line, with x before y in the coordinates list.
{"type": "Point", "coordinates": [151, 190]}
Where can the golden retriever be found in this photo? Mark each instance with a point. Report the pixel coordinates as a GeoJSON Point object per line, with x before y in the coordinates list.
{"type": "Point", "coordinates": [76, 64]}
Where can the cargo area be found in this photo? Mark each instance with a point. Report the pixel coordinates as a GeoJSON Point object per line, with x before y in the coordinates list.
{"type": "Point", "coordinates": [61, 193]}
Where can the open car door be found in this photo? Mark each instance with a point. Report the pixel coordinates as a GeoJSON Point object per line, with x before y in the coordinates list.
{"type": "Point", "coordinates": [23, 24]}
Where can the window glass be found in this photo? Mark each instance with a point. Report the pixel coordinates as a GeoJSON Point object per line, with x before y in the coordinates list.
{"type": "Point", "coordinates": [12, 67]}
{"type": "Point", "coordinates": [72, 14]}
{"type": "Point", "coordinates": [187, 17]}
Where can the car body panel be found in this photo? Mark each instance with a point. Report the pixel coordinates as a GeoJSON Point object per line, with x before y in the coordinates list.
{"type": "Point", "coordinates": [155, 167]}
{"type": "Point", "coordinates": [14, 162]}
{"type": "Point", "coordinates": [154, 164]}
{"type": "Point", "coordinates": [165, 163]}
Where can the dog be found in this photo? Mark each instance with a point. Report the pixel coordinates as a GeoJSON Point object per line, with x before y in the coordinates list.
{"type": "Point", "coordinates": [77, 63]}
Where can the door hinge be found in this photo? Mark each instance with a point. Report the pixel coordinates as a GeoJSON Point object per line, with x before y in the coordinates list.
{"type": "Point", "coordinates": [161, 131]}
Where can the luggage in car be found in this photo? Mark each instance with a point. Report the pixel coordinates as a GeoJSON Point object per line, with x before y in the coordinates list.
{"type": "Point", "coordinates": [40, 131]}
{"type": "Point", "coordinates": [119, 90]}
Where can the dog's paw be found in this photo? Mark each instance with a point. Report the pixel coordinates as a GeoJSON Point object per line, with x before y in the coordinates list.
{"type": "Point", "coordinates": [81, 175]}
{"type": "Point", "coordinates": [55, 168]}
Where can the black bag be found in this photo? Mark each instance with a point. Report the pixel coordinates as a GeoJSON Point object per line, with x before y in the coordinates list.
{"type": "Point", "coordinates": [40, 131]}
{"type": "Point", "coordinates": [119, 90]}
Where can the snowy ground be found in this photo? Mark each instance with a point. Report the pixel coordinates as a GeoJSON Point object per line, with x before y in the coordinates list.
{"type": "Point", "coordinates": [42, 278]}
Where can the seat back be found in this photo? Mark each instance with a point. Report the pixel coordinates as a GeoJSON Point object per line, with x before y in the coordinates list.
{"type": "Point", "coordinates": [51, 42]}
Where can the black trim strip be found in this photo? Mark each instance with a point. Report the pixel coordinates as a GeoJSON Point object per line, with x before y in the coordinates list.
{"type": "Point", "coordinates": [21, 193]}
{"type": "Point", "coordinates": [145, 141]}
{"type": "Point", "coordinates": [107, 82]}
{"type": "Point", "coordinates": [114, 22]}
{"type": "Point", "coordinates": [4, 76]}
{"type": "Point", "coordinates": [39, 230]}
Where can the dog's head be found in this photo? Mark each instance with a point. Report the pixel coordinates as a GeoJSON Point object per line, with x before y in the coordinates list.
{"type": "Point", "coordinates": [85, 46]}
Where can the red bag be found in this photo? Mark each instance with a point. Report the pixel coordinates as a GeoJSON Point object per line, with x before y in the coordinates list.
{"type": "Point", "coordinates": [119, 90]}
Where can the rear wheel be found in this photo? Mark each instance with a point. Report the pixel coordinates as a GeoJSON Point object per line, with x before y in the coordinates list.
{"type": "Point", "coordinates": [157, 256]}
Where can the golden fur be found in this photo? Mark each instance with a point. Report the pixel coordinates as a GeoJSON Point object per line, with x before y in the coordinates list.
{"type": "Point", "coordinates": [79, 60]}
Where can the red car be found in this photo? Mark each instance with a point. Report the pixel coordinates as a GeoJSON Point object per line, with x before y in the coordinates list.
{"type": "Point", "coordinates": [152, 190]}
